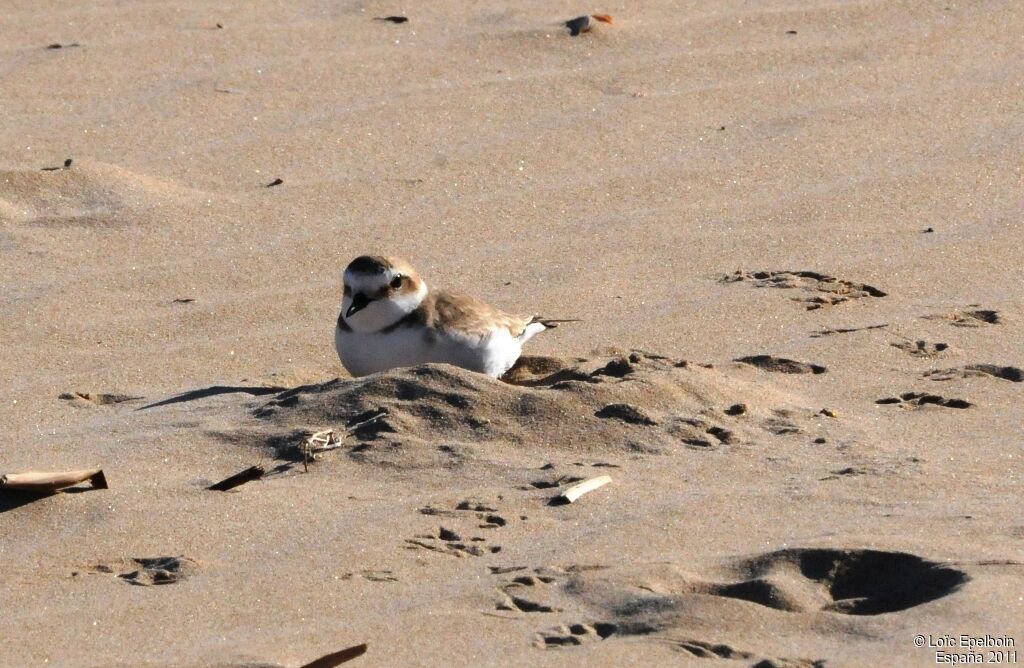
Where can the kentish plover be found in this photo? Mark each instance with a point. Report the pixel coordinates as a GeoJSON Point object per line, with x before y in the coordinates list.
{"type": "Point", "coordinates": [389, 318]}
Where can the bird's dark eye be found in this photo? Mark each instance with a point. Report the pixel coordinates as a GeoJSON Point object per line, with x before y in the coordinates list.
{"type": "Point", "coordinates": [396, 282]}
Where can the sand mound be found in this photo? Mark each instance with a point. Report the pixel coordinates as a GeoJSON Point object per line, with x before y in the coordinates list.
{"type": "Point", "coordinates": [633, 402]}
{"type": "Point", "coordinates": [83, 194]}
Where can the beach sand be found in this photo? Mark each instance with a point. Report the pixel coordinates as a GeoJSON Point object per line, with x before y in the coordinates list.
{"type": "Point", "coordinates": [833, 183]}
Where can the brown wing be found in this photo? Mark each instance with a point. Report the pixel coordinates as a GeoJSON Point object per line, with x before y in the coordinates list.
{"type": "Point", "coordinates": [449, 311]}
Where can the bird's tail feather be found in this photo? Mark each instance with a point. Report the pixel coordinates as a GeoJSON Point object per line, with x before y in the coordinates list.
{"type": "Point", "coordinates": [538, 325]}
{"type": "Point", "coordinates": [551, 323]}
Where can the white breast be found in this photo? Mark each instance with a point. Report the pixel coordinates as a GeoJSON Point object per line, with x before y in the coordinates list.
{"type": "Point", "coordinates": [365, 353]}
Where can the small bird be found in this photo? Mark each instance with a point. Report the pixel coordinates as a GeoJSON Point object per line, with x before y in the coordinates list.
{"type": "Point", "coordinates": [389, 318]}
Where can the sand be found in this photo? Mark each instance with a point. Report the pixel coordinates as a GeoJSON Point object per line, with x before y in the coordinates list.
{"type": "Point", "coordinates": [831, 191]}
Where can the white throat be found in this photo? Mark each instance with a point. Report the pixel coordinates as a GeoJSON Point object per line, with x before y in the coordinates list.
{"type": "Point", "coordinates": [382, 313]}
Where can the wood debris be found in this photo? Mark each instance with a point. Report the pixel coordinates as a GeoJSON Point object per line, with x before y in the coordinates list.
{"type": "Point", "coordinates": [48, 483]}
{"type": "Point", "coordinates": [570, 494]}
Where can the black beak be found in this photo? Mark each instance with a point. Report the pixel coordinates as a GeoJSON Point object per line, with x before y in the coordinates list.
{"type": "Point", "coordinates": [359, 302]}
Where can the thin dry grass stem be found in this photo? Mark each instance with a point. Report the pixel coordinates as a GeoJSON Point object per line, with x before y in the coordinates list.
{"type": "Point", "coordinates": [321, 441]}
{"type": "Point", "coordinates": [326, 439]}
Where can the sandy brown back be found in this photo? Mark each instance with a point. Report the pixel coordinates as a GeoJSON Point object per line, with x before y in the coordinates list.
{"type": "Point", "coordinates": [447, 311]}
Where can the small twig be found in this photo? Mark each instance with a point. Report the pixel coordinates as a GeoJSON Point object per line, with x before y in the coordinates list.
{"type": "Point", "coordinates": [381, 413]}
{"type": "Point", "coordinates": [322, 438]}
{"type": "Point", "coordinates": [321, 441]}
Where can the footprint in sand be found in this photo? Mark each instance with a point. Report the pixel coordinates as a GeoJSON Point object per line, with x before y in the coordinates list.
{"type": "Point", "coordinates": [515, 603]}
{"type": "Point", "coordinates": [781, 426]}
{"type": "Point", "coordinates": [817, 290]}
{"type": "Point", "coordinates": [372, 575]}
{"type": "Point", "coordinates": [522, 592]}
{"type": "Point", "coordinates": [1010, 373]}
{"type": "Point", "coordinates": [146, 571]}
{"type": "Point", "coordinates": [700, 433]}
{"type": "Point", "coordinates": [781, 365]}
{"type": "Point", "coordinates": [849, 471]}
{"type": "Point", "coordinates": [694, 432]}
{"type": "Point", "coordinates": [783, 421]}
{"type": "Point", "coordinates": [569, 635]}
{"type": "Point", "coordinates": [706, 650]}
{"type": "Point", "coordinates": [626, 413]}
{"type": "Point", "coordinates": [921, 348]}
{"type": "Point", "coordinates": [98, 398]}
{"type": "Point", "coordinates": [969, 317]}
{"type": "Point", "coordinates": [828, 331]}
{"type": "Point", "coordinates": [921, 399]}
{"type": "Point", "coordinates": [545, 581]}
{"type": "Point", "coordinates": [486, 514]}
{"type": "Point", "coordinates": [551, 483]}
{"type": "Point", "coordinates": [447, 541]}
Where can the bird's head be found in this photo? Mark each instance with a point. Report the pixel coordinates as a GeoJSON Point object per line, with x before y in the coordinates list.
{"type": "Point", "coordinates": [379, 291]}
